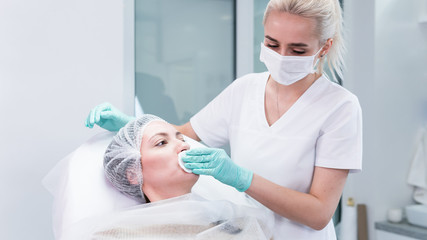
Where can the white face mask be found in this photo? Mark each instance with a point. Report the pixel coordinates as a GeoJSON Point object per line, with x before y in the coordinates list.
{"type": "Point", "coordinates": [287, 70]}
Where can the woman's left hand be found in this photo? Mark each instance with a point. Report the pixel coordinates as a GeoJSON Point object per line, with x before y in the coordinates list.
{"type": "Point", "coordinates": [215, 162]}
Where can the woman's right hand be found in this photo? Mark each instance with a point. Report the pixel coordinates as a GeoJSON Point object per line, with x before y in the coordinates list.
{"type": "Point", "coordinates": [107, 117]}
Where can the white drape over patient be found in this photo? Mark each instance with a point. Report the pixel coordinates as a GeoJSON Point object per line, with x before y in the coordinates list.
{"type": "Point", "coordinates": [186, 217]}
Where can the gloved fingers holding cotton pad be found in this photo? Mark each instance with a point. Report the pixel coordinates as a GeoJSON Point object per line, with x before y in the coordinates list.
{"type": "Point", "coordinates": [181, 163]}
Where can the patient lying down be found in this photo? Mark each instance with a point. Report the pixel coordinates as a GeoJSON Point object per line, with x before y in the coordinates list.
{"type": "Point", "coordinates": [142, 163]}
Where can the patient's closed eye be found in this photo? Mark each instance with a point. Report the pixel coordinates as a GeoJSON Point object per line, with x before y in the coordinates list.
{"type": "Point", "coordinates": [161, 143]}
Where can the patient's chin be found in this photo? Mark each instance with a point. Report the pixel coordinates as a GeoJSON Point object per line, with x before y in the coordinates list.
{"type": "Point", "coordinates": [192, 178]}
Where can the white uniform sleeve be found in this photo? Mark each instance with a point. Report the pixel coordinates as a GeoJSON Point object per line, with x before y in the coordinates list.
{"type": "Point", "coordinates": [340, 142]}
{"type": "Point", "coordinates": [212, 122]}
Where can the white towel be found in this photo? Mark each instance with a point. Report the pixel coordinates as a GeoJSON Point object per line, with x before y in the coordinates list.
{"type": "Point", "coordinates": [348, 225]}
{"type": "Point", "coordinates": [418, 171]}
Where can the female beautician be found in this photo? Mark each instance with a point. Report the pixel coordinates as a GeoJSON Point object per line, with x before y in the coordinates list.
{"type": "Point", "coordinates": [294, 134]}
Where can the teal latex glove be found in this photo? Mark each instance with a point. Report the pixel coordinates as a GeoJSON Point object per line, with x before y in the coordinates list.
{"type": "Point", "coordinates": [215, 162]}
{"type": "Point", "coordinates": [107, 117]}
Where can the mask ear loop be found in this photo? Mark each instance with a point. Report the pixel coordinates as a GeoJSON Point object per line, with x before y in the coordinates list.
{"type": "Point", "coordinates": [317, 60]}
{"type": "Point", "coordinates": [319, 52]}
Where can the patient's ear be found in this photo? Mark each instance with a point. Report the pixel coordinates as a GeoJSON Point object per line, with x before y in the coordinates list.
{"type": "Point", "coordinates": [133, 176]}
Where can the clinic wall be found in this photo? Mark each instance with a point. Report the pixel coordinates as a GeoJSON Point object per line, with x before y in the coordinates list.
{"type": "Point", "coordinates": [58, 60]}
{"type": "Point", "coordinates": [387, 59]}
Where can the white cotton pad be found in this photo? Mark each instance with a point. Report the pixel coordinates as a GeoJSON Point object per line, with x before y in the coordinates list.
{"type": "Point", "coordinates": [181, 163]}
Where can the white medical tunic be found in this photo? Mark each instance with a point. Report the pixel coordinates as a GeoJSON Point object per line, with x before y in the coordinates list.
{"type": "Point", "coordinates": [323, 128]}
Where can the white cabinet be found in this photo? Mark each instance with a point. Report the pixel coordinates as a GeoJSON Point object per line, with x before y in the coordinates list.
{"type": "Point", "coordinates": [383, 235]}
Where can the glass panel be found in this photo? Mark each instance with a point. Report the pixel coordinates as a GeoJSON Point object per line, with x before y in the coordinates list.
{"type": "Point", "coordinates": [184, 55]}
{"type": "Point", "coordinates": [259, 8]}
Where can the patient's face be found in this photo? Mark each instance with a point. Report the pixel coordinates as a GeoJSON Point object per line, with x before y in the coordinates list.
{"type": "Point", "coordinates": [161, 144]}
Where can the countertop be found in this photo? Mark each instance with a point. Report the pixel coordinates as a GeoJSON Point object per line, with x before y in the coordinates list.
{"type": "Point", "coordinates": [403, 228]}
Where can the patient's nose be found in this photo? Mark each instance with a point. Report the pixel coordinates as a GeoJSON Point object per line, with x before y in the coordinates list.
{"type": "Point", "coordinates": [182, 146]}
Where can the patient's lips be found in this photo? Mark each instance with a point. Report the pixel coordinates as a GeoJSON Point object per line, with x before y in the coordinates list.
{"type": "Point", "coordinates": [181, 163]}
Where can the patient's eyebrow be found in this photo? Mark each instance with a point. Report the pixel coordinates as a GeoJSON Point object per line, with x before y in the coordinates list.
{"type": "Point", "coordinates": [163, 134]}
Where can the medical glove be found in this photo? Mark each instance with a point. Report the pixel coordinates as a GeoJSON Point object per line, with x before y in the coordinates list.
{"type": "Point", "coordinates": [107, 117]}
{"type": "Point", "coordinates": [215, 162]}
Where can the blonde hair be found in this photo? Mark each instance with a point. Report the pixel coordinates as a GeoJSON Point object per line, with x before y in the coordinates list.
{"type": "Point", "coordinates": [328, 16]}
